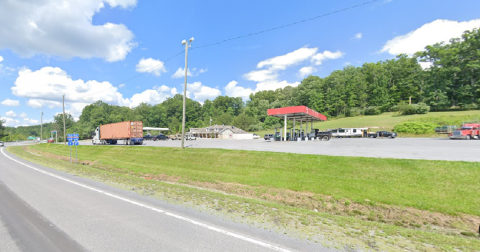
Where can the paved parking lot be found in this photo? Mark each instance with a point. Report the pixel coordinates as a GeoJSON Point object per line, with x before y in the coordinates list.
{"type": "Point", "coordinates": [410, 148]}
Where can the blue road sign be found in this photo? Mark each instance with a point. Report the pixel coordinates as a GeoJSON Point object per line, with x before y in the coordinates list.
{"type": "Point", "coordinates": [75, 143]}
{"type": "Point", "coordinates": [70, 143]}
{"type": "Point", "coordinates": [72, 137]}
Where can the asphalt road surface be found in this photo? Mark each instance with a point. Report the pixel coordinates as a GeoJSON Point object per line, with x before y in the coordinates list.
{"type": "Point", "coordinates": [42, 209]}
{"type": "Point", "coordinates": [409, 148]}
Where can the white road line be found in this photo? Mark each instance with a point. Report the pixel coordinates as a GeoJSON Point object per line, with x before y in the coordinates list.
{"type": "Point", "coordinates": [223, 231]}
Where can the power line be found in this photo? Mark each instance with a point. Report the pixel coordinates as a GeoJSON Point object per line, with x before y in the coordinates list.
{"type": "Point", "coordinates": [287, 25]}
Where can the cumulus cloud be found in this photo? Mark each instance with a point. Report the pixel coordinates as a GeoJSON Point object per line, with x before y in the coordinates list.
{"type": "Point", "coordinates": [11, 114]}
{"type": "Point", "coordinates": [437, 31]}
{"type": "Point", "coordinates": [200, 92]}
{"type": "Point", "coordinates": [180, 73]}
{"type": "Point", "coordinates": [10, 122]}
{"type": "Point", "coordinates": [268, 78]}
{"type": "Point", "coordinates": [45, 88]}
{"type": "Point", "coordinates": [10, 103]}
{"type": "Point", "coordinates": [23, 115]}
{"type": "Point", "coordinates": [64, 29]}
{"type": "Point", "coordinates": [306, 71]}
{"type": "Point", "coordinates": [318, 58]}
{"type": "Point", "coordinates": [233, 90]}
{"type": "Point", "coordinates": [152, 66]}
{"type": "Point", "coordinates": [1, 58]}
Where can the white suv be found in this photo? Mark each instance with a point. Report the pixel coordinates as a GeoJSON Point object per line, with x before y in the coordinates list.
{"type": "Point", "coordinates": [1, 144]}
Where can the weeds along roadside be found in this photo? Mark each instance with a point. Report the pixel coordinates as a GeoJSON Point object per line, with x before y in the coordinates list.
{"type": "Point", "coordinates": [327, 228]}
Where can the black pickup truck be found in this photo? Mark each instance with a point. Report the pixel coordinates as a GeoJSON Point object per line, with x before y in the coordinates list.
{"type": "Point", "coordinates": [324, 135]}
{"type": "Point", "coordinates": [382, 134]}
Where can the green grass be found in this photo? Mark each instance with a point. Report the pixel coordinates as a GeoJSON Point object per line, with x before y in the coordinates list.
{"type": "Point", "coordinates": [385, 121]}
{"type": "Point", "coordinates": [329, 230]}
{"type": "Point", "coordinates": [439, 186]}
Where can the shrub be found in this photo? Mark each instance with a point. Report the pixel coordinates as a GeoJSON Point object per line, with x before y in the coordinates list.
{"type": "Point", "coordinates": [411, 109]}
{"type": "Point", "coordinates": [415, 127]}
{"type": "Point", "coordinates": [373, 110]}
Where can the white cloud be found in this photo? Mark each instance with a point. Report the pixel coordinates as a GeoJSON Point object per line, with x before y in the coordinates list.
{"type": "Point", "coordinates": [174, 91]}
{"type": "Point", "coordinates": [149, 96]}
{"type": "Point", "coordinates": [358, 36]}
{"type": "Point", "coordinates": [11, 114]}
{"type": "Point", "coordinates": [39, 103]}
{"type": "Point", "coordinates": [273, 85]}
{"type": "Point", "coordinates": [425, 65]}
{"type": "Point", "coordinates": [289, 59]}
{"type": "Point", "coordinates": [10, 103]}
{"type": "Point", "coordinates": [121, 85]}
{"type": "Point", "coordinates": [233, 90]}
{"type": "Point", "coordinates": [261, 75]}
{"type": "Point", "coordinates": [1, 58]}
{"type": "Point", "coordinates": [29, 121]}
{"type": "Point", "coordinates": [10, 122]}
{"type": "Point", "coordinates": [23, 115]}
{"type": "Point", "coordinates": [46, 86]}
{"type": "Point", "coordinates": [201, 92]}
{"type": "Point", "coordinates": [180, 73]}
{"type": "Point", "coordinates": [164, 88]}
{"type": "Point", "coordinates": [152, 66]}
{"type": "Point", "coordinates": [268, 79]}
{"type": "Point", "coordinates": [63, 28]}
{"type": "Point", "coordinates": [318, 58]}
{"type": "Point", "coordinates": [305, 71]}
{"type": "Point", "coordinates": [437, 31]}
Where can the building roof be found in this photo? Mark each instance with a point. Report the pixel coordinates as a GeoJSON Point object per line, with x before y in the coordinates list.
{"type": "Point", "coordinates": [298, 113]}
{"type": "Point", "coordinates": [218, 129]}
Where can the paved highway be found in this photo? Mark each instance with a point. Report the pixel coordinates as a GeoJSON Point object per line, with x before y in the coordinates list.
{"type": "Point", "coordinates": [46, 210]}
{"type": "Point", "coordinates": [410, 148]}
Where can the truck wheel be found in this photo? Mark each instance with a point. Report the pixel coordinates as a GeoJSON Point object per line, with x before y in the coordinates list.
{"type": "Point", "coordinates": [469, 137]}
{"type": "Point", "coordinates": [325, 138]}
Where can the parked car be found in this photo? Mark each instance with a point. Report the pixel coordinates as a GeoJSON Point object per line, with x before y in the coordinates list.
{"type": "Point", "coordinates": [51, 140]}
{"type": "Point", "coordinates": [255, 136]}
{"type": "Point", "coordinates": [382, 134]}
{"type": "Point", "coordinates": [176, 137]}
{"type": "Point", "coordinates": [147, 137]}
{"type": "Point", "coordinates": [2, 144]}
{"type": "Point", "coordinates": [268, 136]}
{"type": "Point", "coordinates": [160, 137]}
{"type": "Point", "coordinates": [190, 137]}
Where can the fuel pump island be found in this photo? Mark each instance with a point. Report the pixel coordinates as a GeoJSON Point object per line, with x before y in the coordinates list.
{"type": "Point", "coordinates": [300, 114]}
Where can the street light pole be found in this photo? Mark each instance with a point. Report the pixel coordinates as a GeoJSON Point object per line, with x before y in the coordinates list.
{"type": "Point", "coordinates": [184, 42]}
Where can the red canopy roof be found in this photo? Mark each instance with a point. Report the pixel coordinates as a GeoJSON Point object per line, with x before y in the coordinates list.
{"type": "Point", "coordinates": [297, 113]}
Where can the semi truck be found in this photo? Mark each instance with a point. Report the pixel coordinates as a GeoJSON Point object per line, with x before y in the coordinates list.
{"type": "Point", "coordinates": [131, 132]}
{"type": "Point", "coordinates": [467, 131]}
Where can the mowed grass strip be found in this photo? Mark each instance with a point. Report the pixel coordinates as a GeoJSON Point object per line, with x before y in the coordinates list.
{"type": "Point", "coordinates": [438, 186]}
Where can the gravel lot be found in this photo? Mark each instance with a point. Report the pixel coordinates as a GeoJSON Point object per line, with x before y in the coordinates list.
{"type": "Point", "coordinates": [409, 148]}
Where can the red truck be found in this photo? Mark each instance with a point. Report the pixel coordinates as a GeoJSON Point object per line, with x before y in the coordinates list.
{"type": "Point", "coordinates": [467, 131]}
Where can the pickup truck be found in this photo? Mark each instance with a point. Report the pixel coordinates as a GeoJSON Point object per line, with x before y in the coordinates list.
{"type": "Point", "coordinates": [160, 137]}
{"type": "Point", "coordinates": [382, 134]}
{"type": "Point", "coordinates": [176, 137]}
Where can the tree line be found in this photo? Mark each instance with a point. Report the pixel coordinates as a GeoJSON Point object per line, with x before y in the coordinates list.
{"type": "Point", "coordinates": [450, 82]}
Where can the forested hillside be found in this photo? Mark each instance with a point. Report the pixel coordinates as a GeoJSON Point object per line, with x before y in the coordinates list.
{"type": "Point", "coordinates": [450, 82]}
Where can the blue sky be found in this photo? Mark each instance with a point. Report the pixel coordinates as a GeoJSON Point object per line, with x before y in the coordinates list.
{"type": "Point", "coordinates": [87, 49]}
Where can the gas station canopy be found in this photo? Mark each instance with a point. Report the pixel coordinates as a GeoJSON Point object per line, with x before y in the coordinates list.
{"type": "Point", "coordinates": [298, 113]}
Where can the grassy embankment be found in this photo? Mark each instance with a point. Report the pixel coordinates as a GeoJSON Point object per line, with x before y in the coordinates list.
{"type": "Point", "coordinates": [387, 121]}
{"type": "Point", "coordinates": [425, 202]}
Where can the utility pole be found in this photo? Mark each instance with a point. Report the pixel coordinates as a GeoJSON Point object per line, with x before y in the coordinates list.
{"type": "Point", "coordinates": [64, 131]}
{"type": "Point", "coordinates": [41, 128]}
{"type": "Point", "coordinates": [184, 42]}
